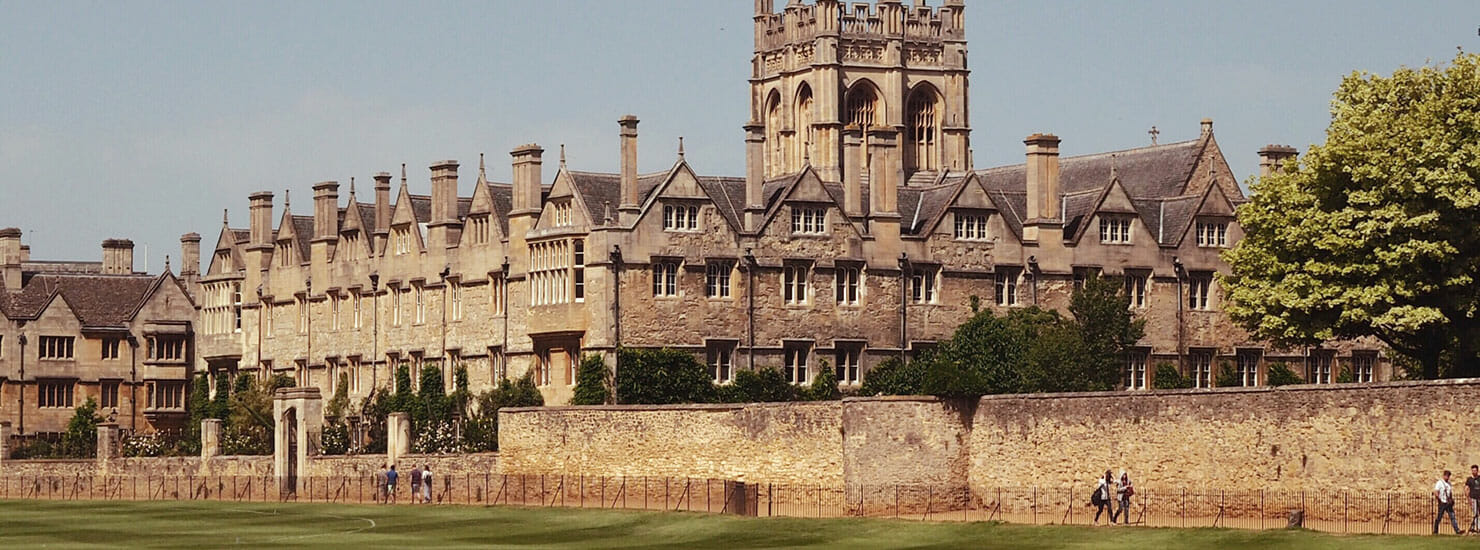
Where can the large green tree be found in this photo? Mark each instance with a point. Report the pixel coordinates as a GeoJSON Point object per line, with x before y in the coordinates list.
{"type": "Point", "coordinates": [1373, 232]}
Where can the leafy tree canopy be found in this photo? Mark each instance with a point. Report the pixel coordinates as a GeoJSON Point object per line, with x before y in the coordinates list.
{"type": "Point", "coordinates": [591, 382]}
{"type": "Point", "coordinates": [662, 376]}
{"type": "Point", "coordinates": [1373, 232]}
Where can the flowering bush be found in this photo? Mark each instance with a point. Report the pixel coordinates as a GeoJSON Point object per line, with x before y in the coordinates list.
{"type": "Point", "coordinates": [437, 437]}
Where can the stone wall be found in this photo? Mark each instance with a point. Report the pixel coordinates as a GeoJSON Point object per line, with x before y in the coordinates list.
{"type": "Point", "coordinates": [761, 442]}
{"type": "Point", "coordinates": [478, 464]}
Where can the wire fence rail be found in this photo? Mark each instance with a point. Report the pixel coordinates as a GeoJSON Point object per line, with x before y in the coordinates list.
{"type": "Point", "coordinates": [1332, 511]}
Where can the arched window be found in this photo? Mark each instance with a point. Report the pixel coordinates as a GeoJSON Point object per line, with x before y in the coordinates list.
{"type": "Point", "coordinates": [922, 130]}
{"type": "Point", "coordinates": [774, 150]}
{"type": "Point", "coordinates": [806, 141]}
{"type": "Point", "coordinates": [863, 106]}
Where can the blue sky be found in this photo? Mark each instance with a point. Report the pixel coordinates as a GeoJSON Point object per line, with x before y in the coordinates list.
{"type": "Point", "coordinates": [145, 119]}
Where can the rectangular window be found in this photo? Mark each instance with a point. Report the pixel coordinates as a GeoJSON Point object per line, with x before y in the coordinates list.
{"type": "Point", "coordinates": [1248, 367]}
{"type": "Point", "coordinates": [971, 227]}
{"type": "Point", "coordinates": [717, 278]}
{"type": "Point", "coordinates": [110, 348]}
{"type": "Point", "coordinates": [680, 217]}
{"type": "Point", "coordinates": [354, 374]}
{"type": "Point", "coordinates": [923, 282]}
{"type": "Point", "coordinates": [1115, 229]}
{"type": "Point", "coordinates": [54, 394]}
{"type": "Point", "coordinates": [1363, 366]}
{"type": "Point", "coordinates": [356, 299]}
{"type": "Point", "coordinates": [54, 347]}
{"type": "Point", "coordinates": [396, 306]}
{"type": "Point", "coordinates": [847, 356]}
{"type": "Point", "coordinates": [1212, 233]}
{"type": "Point", "coordinates": [846, 279]}
{"type": "Point", "coordinates": [665, 278]}
{"type": "Point", "coordinates": [806, 220]}
{"type": "Point", "coordinates": [496, 295]}
{"type": "Point", "coordinates": [1135, 369]}
{"type": "Point", "coordinates": [108, 395]}
{"type": "Point", "coordinates": [402, 241]}
{"type": "Point", "coordinates": [166, 348]}
{"type": "Point", "coordinates": [1319, 366]}
{"type": "Point", "coordinates": [1135, 287]}
{"type": "Point", "coordinates": [268, 318]}
{"type": "Point", "coordinates": [1083, 275]}
{"type": "Point", "coordinates": [456, 299]}
{"type": "Point", "coordinates": [421, 304]}
{"type": "Point", "coordinates": [236, 306]}
{"type": "Point", "coordinates": [796, 363]}
{"type": "Point", "coordinates": [497, 370]}
{"type": "Point", "coordinates": [334, 311]}
{"type": "Point", "coordinates": [794, 283]}
{"type": "Point", "coordinates": [721, 359]}
{"type": "Point", "coordinates": [1007, 281]}
{"type": "Point", "coordinates": [167, 395]}
{"type": "Point", "coordinates": [1201, 365]}
{"type": "Point", "coordinates": [578, 272]}
{"type": "Point", "coordinates": [1198, 287]}
{"type": "Point", "coordinates": [285, 253]}
{"type": "Point", "coordinates": [302, 315]}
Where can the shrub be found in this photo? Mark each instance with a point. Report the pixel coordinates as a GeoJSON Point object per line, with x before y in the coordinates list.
{"type": "Point", "coordinates": [480, 429]}
{"type": "Point", "coordinates": [1227, 377]}
{"type": "Point", "coordinates": [664, 376]}
{"type": "Point", "coordinates": [892, 376]}
{"type": "Point", "coordinates": [824, 386]}
{"type": "Point", "coordinates": [1281, 375]}
{"type": "Point", "coordinates": [591, 378]}
{"type": "Point", "coordinates": [81, 437]}
{"type": "Point", "coordinates": [763, 385]}
{"type": "Point", "coordinates": [1169, 378]}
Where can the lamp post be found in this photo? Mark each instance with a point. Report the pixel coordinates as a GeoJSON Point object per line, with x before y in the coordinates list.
{"type": "Point", "coordinates": [616, 259]}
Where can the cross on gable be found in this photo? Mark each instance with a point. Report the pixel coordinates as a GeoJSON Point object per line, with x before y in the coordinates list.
{"type": "Point", "coordinates": [1154, 132]}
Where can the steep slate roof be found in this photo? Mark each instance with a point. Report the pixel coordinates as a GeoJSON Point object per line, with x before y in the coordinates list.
{"type": "Point", "coordinates": [241, 235]}
{"type": "Point", "coordinates": [303, 232]}
{"type": "Point", "coordinates": [97, 300]}
{"type": "Point", "coordinates": [598, 189]}
{"type": "Point", "coordinates": [728, 195]}
{"type": "Point", "coordinates": [503, 202]}
{"type": "Point", "coordinates": [421, 207]}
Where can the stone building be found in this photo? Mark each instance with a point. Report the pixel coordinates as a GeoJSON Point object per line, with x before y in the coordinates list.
{"type": "Point", "coordinates": [860, 231]}
{"type": "Point", "coordinates": [73, 330]}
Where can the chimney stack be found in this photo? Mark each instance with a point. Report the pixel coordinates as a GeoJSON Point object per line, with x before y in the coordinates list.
{"type": "Point", "coordinates": [629, 206]}
{"type": "Point", "coordinates": [260, 222]}
{"type": "Point", "coordinates": [10, 258]}
{"type": "Point", "coordinates": [189, 255]}
{"type": "Point", "coordinates": [382, 202]}
{"type": "Point", "coordinates": [528, 161]}
{"type": "Point", "coordinates": [1043, 176]}
{"type": "Point", "coordinates": [326, 210]}
{"type": "Point", "coordinates": [755, 175]}
{"type": "Point", "coordinates": [853, 167]}
{"type": "Point", "coordinates": [444, 204]}
{"type": "Point", "coordinates": [1207, 126]}
{"type": "Point", "coordinates": [118, 257]}
{"type": "Point", "coordinates": [1272, 158]}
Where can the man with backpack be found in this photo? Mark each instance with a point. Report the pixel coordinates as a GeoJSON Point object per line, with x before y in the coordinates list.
{"type": "Point", "coordinates": [1100, 499]}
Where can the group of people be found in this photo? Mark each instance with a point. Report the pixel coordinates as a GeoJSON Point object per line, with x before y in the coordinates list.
{"type": "Point", "coordinates": [1444, 498]}
{"type": "Point", "coordinates": [1121, 491]}
{"type": "Point", "coordinates": [421, 484]}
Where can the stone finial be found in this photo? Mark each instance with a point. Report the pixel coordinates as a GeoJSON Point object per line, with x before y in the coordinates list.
{"type": "Point", "coordinates": [1207, 126]}
{"type": "Point", "coordinates": [286, 200]}
{"type": "Point", "coordinates": [403, 175]}
{"type": "Point", "coordinates": [562, 155]}
{"type": "Point", "coordinates": [351, 186]}
{"type": "Point", "coordinates": [1153, 132]}
{"type": "Point", "coordinates": [1114, 175]}
{"type": "Point", "coordinates": [482, 170]}
{"type": "Point", "coordinates": [224, 211]}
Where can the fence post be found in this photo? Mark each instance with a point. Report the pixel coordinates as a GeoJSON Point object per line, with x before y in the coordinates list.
{"type": "Point", "coordinates": [1345, 509]}
{"type": "Point", "coordinates": [1184, 507]}
{"type": "Point", "coordinates": [1261, 508]}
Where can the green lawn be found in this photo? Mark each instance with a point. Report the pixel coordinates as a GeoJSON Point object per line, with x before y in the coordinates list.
{"type": "Point", "coordinates": [83, 524]}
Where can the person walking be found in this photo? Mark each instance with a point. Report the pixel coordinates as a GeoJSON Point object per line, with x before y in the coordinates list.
{"type": "Point", "coordinates": [380, 477]}
{"type": "Point", "coordinates": [426, 482]}
{"type": "Point", "coordinates": [390, 485]}
{"type": "Point", "coordinates": [1444, 498]}
{"type": "Point", "coordinates": [1101, 499]}
{"type": "Point", "coordinates": [415, 476]}
{"type": "Point", "coordinates": [1472, 486]}
{"type": "Point", "coordinates": [1123, 493]}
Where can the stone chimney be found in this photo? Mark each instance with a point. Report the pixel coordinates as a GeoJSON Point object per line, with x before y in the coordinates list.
{"type": "Point", "coordinates": [1272, 158]}
{"type": "Point", "coordinates": [326, 210]}
{"type": "Point", "coordinates": [10, 257]}
{"type": "Point", "coordinates": [1207, 126]}
{"type": "Point", "coordinates": [189, 255]}
{"type": "Point", "coordinates": [629, 206]}
{"type": "Point", "coordinates": [755, 175]}
{"type": "Point", "coordinates": [444, 205]}
{"type": "Point", "coordinates": [118, 257]}
{"type": "Point", "coordinates": [382, 202]}
{"type": "Point", "coordinates": [25, 253]}
{"type": "Point", "coordinates": [527, 165]}
{"type": "Point", "coordinates": [260, 219]}
{"type": "Point", "coordinates": [1043, 176]}
{"type": "Point", "coordinates": [885, 176]}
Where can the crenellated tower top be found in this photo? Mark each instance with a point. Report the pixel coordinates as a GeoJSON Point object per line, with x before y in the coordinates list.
{"type": "Point", "coordinates": [799, 23]}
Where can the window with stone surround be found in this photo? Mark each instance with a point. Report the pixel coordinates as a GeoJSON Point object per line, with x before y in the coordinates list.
{"type": "Point", "coordinates": [54, 394]}
{"type": "Point", "coordinates": [334, 310]}
{"type": "Point", "coordinates": [1199, 285]}
{"type": "Point", "coordinates": [267, 318]}
{"type": "Point", "coordinates": [578, 269]}
{"type": "Point", "coordinates": [111, 347]}
{"type": "Point", "coordinates": [108, 394]}
{"type": "Point", "coordinates": [358, 319]}
{"type": "Point", "coordinates": [1082, 275]}
{"type": "Point", "coordinates": [1318, 366]}
{"type": "Point", "coordinates": [1364, 366]}
{"type": "Point", "coordinates": [349, 245]}
{"type": "Point", "coordinates": [396, 306]}
{"type": "Point", "coordinates": [1248, 366]}
{"type": "Point", "coordinates": [401, 240]}
{"type": "Point", "coordinates": [717, 278]}
{"type": "Point", "coordinates": [665, 278]}
{"type": "Point", "coordinates": [808, 220]}
{"type": "Point", "coordinates": [478, 229]}
{"type": "Point", "coordinates": [720, 356]}
{"type": "Point", "coordinates": [497, 370]}
{"type": "Point", "coordinates": [497, 294]}
{"type": "Point", "coordinates": [924, 281]}
{"type": "Point", "coordinates": [550, 272]}
{"type": "Point", "coordinates": [1134, 375]}
{"type": "Point", "coordinates": [1212, 233]}
{"type": "Point", "coordinates": [56, 348]}
{"type": "Point", "coordinates": [166, 395]}
{"type": "Point", "coordinates": [1200, 365]}
{"type": "Point", "coordinates": [847, 279]}
{"type": "Point", "coordinates": [680, 217]}
{"type": "Point", "coordinates": [285, 253]}
{"type": "Point", "coordinates": [796, 362]}
{"type": "Point", "coordinates": [794, 288]}
{"type": "Point", "coordinates": [1007, 285]}
{"type": "Point", "coordinates": [455, 297]}
{"type": "Point", "coordinates": [1115, 229]}
{"type": "Point", "coordinates": [971, 226]}
{"type": "Point", "coordinates": [302, 304]}
{"type": "Point", "coordinates": [421, 303]}
{"type": "Point", "coordinates": [1135, 287]}
{"type": "Point", "coordinates": [561, 211]}
{"type": "Point", "coordinates": [847, 356]}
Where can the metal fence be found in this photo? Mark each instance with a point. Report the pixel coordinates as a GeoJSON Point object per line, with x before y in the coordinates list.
{"type": "Point", "coordinates": [1331, 511]}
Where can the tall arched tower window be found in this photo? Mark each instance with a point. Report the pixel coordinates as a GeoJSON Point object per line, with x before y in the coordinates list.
{"type": "Point", "coordinates": [774, 150]}
{"type": "Point", "coordinates": [922, 130]}
{"type": "Point", "coordinates": [806, 141]}
{"type": "Point", "coordinates": [863, 106]}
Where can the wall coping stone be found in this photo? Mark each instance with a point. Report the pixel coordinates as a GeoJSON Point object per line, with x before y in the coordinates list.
{"type": "Point", "coordinates": [677, 407]}
{"type": "Point", "coordinates": [1237, 390]}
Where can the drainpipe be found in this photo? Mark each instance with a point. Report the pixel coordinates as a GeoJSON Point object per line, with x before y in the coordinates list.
{"type": "Point", "coordinates": [21, 430]}
{"type": "Point", "coordinates": [133, 386]}
{"type": "Point", "coordinates": [904, 280]}
{"type": "Point", "coordinates": [1180, 272]}
{"type": "Point", "coordinates": [449, 375]}
{"type": "Point", "coordinates": [308, 332]}
{"type": "Point", "coordinates": [261, 310]}
{"type": "Point", "coordinates": [374, 330]}
{"type": "Point", "coordinates": [616, 259]}
{"type": "Point", "coordinates": [750, 267]}
{"type": "Point", "coordinates": [1033, 276]}
{"type": "Point", "coordinates": [503, 351]}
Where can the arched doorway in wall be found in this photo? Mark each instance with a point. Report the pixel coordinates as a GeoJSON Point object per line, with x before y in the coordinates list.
{"type": "Point", "coordinates": [922, 130]}
{"type": "Point", "coordinates": [290, 481]}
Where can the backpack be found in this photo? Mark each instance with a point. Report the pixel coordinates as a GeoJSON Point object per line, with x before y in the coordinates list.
{"type": "Point", "coordinates": [1095, 499]}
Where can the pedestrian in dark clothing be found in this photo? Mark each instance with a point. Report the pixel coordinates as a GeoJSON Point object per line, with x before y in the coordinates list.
{"type": "Point", "coordinates": [1101, 499]}
{"type": "Point", "coordinates": [415, 485]}
{"type": "Point", "coordinates": [1444, 497]}
{"type": "Point", "coordinates": [390, 484]}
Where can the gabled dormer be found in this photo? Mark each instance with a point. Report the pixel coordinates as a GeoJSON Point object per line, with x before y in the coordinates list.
{"type": "Point", "coordinates": [290, 243]}
{"type": "Point", "coordinates": [408, 222]}
{"type": "Point", "coordinates": [805, 207]}
{"type": "Point", "coordinates": [481, 226]}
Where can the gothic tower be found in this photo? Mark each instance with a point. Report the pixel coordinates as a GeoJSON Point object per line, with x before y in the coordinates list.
{"type": "Point", "coordinates": [831, 79]}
